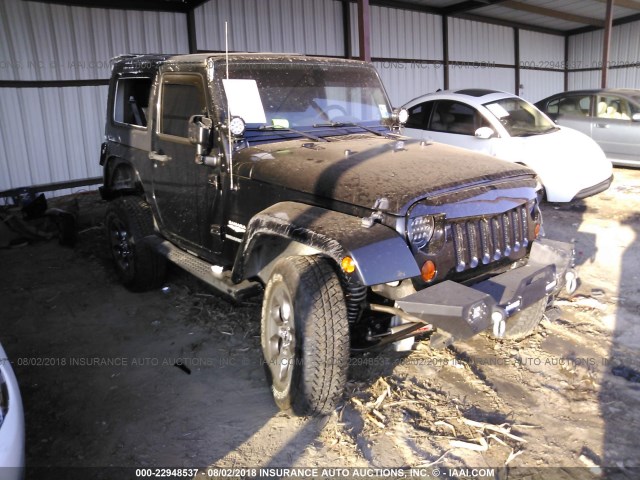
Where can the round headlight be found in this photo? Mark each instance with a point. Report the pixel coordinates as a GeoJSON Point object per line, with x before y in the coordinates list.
{"type": "Point", "coordinates": [236, 126]}
{"type": "Point", "coordinates": [421, 230]}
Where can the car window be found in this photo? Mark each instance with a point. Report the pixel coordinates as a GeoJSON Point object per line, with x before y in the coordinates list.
{"type": "Point", "coordinates": [456, 117]}
{"type": "Point", "coordinates": [520, 118]}
{"type": "Point", "coordinates": [614, 107]}
{"type": "Point", "coordinates": [182, 96]}
{"type": "Point", "coordinates": [419, 115]}
{"type": "Point", "coordinates": [132, 100]}
{"type": "Point", "coordinates": [569, 106]}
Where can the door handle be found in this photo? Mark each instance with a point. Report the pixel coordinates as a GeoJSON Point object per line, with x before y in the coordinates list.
{"type": "Point", "coordinates": [155, 156]}
{"type": "Point", "coordinates": [602, 125]}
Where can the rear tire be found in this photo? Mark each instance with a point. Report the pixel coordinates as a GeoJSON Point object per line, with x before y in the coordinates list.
{"type": "Point", "coordinates": [305, 335]}
{"type": "Point", "coordinates": [523, 323]}
{"type": "Point", "coordinates": [128, 220]}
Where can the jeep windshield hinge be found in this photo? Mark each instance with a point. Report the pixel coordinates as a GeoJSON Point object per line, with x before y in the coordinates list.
{"type": "Point", "coordinates": [378, 207]}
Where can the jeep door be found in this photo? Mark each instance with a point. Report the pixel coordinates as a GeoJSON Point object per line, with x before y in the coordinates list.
{"type": "Point", "coordinates": [185, 193]}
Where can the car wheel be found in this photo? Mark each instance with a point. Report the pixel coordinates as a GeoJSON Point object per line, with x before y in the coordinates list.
{"type": "Point", "coordinates": [128, 220]}
{"type": "Point", "coordinates": [305, 335]}
{"type": "Point", "coordinates": [523, 323]}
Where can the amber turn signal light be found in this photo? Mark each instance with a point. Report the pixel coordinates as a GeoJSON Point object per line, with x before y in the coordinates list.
{"type": "Point", "coordinates": [536, 230]}
{"type": "Point", "coordinates": [428, 271]}
{"type": "Point", "coordinates": [348, 265]}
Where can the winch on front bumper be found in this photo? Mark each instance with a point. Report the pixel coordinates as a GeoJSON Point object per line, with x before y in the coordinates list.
{"type": "Point", "coordinates": [458, 312]}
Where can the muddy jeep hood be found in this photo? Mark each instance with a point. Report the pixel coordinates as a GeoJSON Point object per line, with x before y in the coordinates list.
{"type": "Point", "coordinates": [401, 171]}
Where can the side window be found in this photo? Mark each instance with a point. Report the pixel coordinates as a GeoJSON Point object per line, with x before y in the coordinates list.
{"type": "Point", "coordinates": [553, 107]}
{"type": "Point", "coordinates": [455, 117]}
{"type": "Point", "coordinates": [132, 101]}
{"type": "Point", "coordinates": [613, 107]}
{"type": "Point", "coordinates": [574, 106]}
{"type": "Point", "coordinates": [419, 115]}
{"type": "Point", "coordinates": [182, 96]}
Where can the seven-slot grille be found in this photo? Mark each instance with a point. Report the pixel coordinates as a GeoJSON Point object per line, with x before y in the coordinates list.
{"type": "Point", "coordinates": [483, 240]}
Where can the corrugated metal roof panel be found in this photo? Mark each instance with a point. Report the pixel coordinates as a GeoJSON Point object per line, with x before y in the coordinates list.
{"type": "Point", "coordinates": [405, 81]}
{"type": "Point", "coordinates": [57, 42]}
{"type": "Point", "coordinates": [302, 26]}
{"type": "Point", "coordinates": [533, 19]}
{"type": "Point", "coordinates": [480, 42]}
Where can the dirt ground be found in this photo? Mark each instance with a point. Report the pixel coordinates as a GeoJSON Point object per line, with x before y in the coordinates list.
{"type": "Point", "coordinates": [173, 377]}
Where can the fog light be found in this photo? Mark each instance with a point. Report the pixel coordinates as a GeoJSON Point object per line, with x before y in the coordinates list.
{"type": "Point", "coordinates": [428, 271]}
{"type": "Point", "coordinates": [348, 265]}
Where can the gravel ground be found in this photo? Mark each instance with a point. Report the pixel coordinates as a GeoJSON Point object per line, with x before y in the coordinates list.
{"type": "Point", "coordinates": [173, 377]}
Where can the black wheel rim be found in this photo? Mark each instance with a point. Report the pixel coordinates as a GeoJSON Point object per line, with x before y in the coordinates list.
{"type": "Point", "coordinates": [121, 247]}
{"type": "Point", "coordinates": [280, 341]}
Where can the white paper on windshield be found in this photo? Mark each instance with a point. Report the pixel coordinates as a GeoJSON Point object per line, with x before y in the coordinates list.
{"type": "Point", "coordinates": [244, 100]}
{"type": "Point", "coordinates": [498, 110]}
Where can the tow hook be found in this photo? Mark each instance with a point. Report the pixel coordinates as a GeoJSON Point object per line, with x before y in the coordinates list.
{"type": "Point", "coordinates": [499, 323]}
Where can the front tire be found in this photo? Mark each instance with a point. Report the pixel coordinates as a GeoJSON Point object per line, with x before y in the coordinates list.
{"type": "Point", "coordinates": [128, 220]}
{"type": "Point", "coordinates": [523, 323]}
{"type": "Point", "coordinates": [305, 335]}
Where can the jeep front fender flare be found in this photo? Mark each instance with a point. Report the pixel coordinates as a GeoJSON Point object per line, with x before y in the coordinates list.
{"type": "Point", "coordinates": [380, 254]}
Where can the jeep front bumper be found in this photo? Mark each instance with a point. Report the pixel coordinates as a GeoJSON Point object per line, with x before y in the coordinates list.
{"type": "Point", "coordinates": [461, 311]}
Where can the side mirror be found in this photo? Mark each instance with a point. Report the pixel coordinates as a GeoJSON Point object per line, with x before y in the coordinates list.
{"type": "Point", "coordinates": [635, 117]}
{"type": "Point", "coordinates": [199, 131]}
{"type": "Point", "coordinates": [199, 135]}
{"type": "Point", "coordinates": [484, 133]}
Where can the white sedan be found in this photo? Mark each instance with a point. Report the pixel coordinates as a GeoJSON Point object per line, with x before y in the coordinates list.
{"type": "Point", "coordinates": [570, 164]}
{"type": "Point", "coordinates": [11, 423]}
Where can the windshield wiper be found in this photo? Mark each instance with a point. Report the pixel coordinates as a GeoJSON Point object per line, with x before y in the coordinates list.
{"type": "Point", "coordinates": [351, 124]}
{"type": "Point", "coordinates": [272, 128]}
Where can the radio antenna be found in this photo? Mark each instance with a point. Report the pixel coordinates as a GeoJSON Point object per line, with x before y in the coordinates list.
{"type": "Point", "coordinates": [226, 54]}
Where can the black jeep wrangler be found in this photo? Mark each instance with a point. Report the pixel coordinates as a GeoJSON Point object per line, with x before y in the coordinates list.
{"type": "Point", "coordinates": [288, 173]}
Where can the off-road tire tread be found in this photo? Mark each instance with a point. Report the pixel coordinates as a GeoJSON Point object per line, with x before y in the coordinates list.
{"type": "Point", "coordinates": [322, 335]}
{"type": "Point", "coordinates": [149, 267]}
{"type": "Point", "coordinates": [525, 322]}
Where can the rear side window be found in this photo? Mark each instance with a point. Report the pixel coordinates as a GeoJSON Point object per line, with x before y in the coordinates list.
{"type": "Point", "coordinates": [132, 101]}
{"type": "Point", "coordinates": [182, 96]}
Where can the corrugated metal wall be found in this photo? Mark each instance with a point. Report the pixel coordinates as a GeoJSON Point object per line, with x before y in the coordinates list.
{"type": "Point", "coordinates": [53, 134]}
{"type": "Point", "coordinates": [406, 35]}
{"type": "Point", "coordinates": [536, 85]}
{"type": "Point", "coordinates": [406, 81]}
{"type": "Point", "coordinates": [294, 26]}
{"type": "Point", "coordinates": [400, 34]}
{"type": "Point", "coordinates": [469, 76]}
{"type": "Point", "coordinates": [56, 42]}
{"type": "Point", "coordinates": [480, 42]}
{"type": "Point", "coordinates": [540, 50]}
{"type": "Point", "coordinates": [585, 51]}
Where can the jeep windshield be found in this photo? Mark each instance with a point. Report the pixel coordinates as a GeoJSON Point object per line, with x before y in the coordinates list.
{"type": "Point", "coordinates": [298, 98]}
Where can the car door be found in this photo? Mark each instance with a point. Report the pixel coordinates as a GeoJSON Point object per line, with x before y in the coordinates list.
{"type": "Point", "coordinates": [448, 121]}
{"type": "Point", "coordinates": [573, 111]}
{"type": "Point", "coordinates": [613, 128]}
{"type": "Point", "coordinates": [186, 194]}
